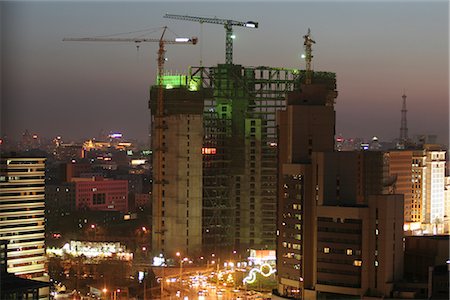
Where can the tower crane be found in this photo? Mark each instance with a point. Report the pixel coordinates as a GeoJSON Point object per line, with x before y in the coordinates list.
{"type": "Point", "coordinates": [160, 125]}
{"type": "Point", "coordinates": [228, 24]}
{"type": "Point", "coordinates": [308, 41]}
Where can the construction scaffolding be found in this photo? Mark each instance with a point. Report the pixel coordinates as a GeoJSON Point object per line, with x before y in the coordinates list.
{"type": "Point", "coordinates": [239, 181]}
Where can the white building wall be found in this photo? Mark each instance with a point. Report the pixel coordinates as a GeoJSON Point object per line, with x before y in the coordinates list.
{"type": "Point", "coordinates": [435, 185]}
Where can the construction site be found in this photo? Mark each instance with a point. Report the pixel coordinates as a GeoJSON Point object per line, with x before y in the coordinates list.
{"type": "Point", "coordinates": [214, 141]}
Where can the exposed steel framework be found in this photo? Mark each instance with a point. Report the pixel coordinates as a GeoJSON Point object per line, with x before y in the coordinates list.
{"type": "Point", "coordinates": [259, 92]}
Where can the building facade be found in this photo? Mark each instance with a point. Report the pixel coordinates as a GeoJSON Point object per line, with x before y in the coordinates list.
{"type": "Point", "coordinates": [420, 177]}
{"type": "Point", "coordinates": [22, 215]}
{"type": "Point", "coordinates": [338, 236]}
{"type": "Point", "coordinates": [434, 206]}
{"type": "Point", "coordinates": [177, 190]}
{"type": "Point", "coordinates": [99, 193]}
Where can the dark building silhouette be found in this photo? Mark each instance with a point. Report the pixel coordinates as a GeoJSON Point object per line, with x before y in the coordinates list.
{"type": "Point", "coordinates": [339, 235]}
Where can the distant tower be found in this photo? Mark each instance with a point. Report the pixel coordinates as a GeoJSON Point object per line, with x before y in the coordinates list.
{"type": "Point", "coordinates": [404, 125]}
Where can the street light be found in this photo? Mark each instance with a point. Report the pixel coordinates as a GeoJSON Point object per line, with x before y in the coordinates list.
{"type": "Point", "coordinates": [181, 269]}
{"type": "Point", "coordinates": [115, 292]}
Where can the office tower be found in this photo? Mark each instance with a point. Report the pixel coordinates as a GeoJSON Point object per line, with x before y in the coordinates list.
{"type": "Point", "coordinates": [419, 176]}
{"type": "Point", "coordinates": [22, 221]}
{"type": "Point", "coordinates": [338, 235]}
{"type": "Point", "coordinates": [402, 167]}
{"type": "Point", "coordinates": [359, 248]}
{"type": "Point", "coordinates": [14, 287]}
{"type": "Point", "coordinates": [305, 126]}
{"type": "Point", "coordinates": [177, 197]}
{"type": "Point", "coordinates": [434, 206]}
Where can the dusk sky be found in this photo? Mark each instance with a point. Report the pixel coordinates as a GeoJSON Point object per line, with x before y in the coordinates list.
{"type": "Point", "coordinates": [79, 89]}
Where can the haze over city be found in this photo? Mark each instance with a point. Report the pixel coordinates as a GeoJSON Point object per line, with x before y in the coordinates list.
{"type": "Point", "coordinates": [379, 50]}
{"type": "Point", "coordinates": [309, 163]}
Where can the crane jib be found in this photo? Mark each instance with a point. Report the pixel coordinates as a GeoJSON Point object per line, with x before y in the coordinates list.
{"type": "Point", "coordinates": [228, 28]}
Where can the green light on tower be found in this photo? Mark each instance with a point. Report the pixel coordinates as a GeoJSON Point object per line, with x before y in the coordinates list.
{"type": "Point", "coordinates": [177, 81]}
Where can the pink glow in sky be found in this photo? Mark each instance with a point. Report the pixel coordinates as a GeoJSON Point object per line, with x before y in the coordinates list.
{"type": "Point", "coordinates": [377, 49]}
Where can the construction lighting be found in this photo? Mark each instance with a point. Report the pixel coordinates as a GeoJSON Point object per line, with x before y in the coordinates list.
{"type": "Point", "coordinates": [251, 24]}
{"type": "Point", "coordinates": [233, 36]}
{"type": "Point", "coordinates": [182, 40]}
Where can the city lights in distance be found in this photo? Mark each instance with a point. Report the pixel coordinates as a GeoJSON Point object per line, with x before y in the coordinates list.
{"type": "Point", "coordinates": [117, 135]}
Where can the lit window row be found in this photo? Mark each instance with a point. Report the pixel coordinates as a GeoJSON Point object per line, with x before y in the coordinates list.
{"type": "Point", "coordinates": [348, 251]}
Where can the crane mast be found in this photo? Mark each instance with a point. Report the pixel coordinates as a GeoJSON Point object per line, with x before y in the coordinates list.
{"type": "Point", "coordinates": [308, 41]}
{"type": "Point", "coordinates": [160, 126]}
{"type": "Point", "coordinates": [228, 25]}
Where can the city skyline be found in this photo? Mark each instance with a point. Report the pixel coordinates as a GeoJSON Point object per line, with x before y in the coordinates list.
{"type": "Point", "coordinates": [378, 51]}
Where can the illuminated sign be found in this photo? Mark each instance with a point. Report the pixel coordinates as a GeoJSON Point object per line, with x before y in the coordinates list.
{"type": "Point", "coordinates": [141, 276]}
{"type": "Point", "coordinates": [261, 256]}
{"type": "Point", "coordinates": [136, 162]}
{"type": "Point", "coordinates": [100, 250]}
{"type": "Point", "coordinates": [158, 261]}
{"type": "Point", "coordinates": [209, 151]}
{"type": "Point", "coordinates": [115, 135]}
{"type": "Point", "coordinates": [265, 270]}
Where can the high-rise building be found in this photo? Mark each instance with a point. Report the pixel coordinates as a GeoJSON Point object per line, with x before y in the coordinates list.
{"type": "Point", "coordinates": [177, 197]}
{"type": "Point", "coordinates": [434, 206]}
{"type": "Point", "coordinates": [238, 109]}
{"type": "Point", "coordinates": [408, 176]}
{"type": "Point", "coordinates": [338, 235]}
{"type": "Point", "coordinates": [420, 177]}
{"type": "Point", "coordinates": [239, 182]}
{"type": "Point", "coordinates": [22, 221]}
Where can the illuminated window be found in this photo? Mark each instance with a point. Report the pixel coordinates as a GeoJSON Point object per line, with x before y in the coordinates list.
{"type": "Point", "coordinates": [326, 250]}
{"type": "Point", "coordinates": [357, 263]}
{"type": "Point", "coordinates": [349, 251]}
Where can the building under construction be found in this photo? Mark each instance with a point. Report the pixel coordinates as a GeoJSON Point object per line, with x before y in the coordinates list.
{"type": "Point", "coordinates": [238, 172]}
